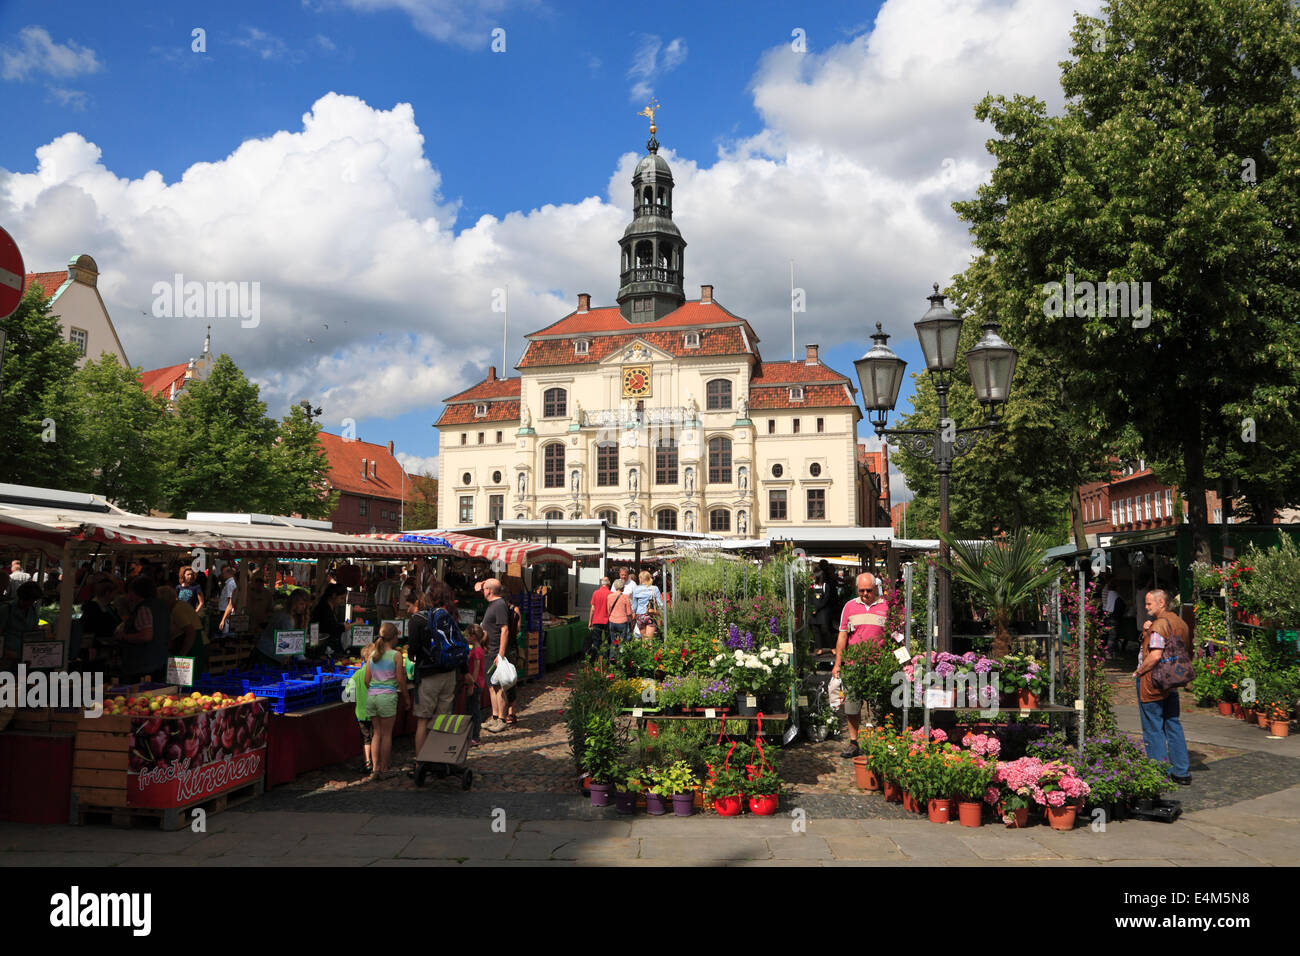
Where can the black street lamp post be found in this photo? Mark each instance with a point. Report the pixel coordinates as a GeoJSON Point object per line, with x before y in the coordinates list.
{"type": "Point", "coordinates": [880, 372]}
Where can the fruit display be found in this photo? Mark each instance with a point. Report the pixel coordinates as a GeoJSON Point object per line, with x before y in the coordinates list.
{"type": "Point", "coordinates": [193, 731]}
{"type": "Point", "coordinates": [168, 705]}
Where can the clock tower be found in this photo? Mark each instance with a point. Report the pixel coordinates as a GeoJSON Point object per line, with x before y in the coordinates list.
{"type": "Point", "coordinates": [652, 250]}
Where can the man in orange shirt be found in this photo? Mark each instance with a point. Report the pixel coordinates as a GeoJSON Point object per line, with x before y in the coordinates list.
{"type": "Point", "coordinates": [1162, 730]}
{"type": "Point", "coordinates": [599, 633]}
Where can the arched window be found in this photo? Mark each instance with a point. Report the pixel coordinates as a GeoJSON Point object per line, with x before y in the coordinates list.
{"type": "Point", "coordinates": [610, 516]}
{"type": "Point", "coordinates": [607, 464]}
{"type": "Point", "coordinates": [666, 520]}
{"type": "Point", "coordinates": [553, 465]}
{"type": "Point", "coordinates": [555, 403]}
{"type": "Point", "coordinates": [719, 519]}
{"type": "Point", "coordinates": [720, 461]}
{"type": "Point", "coordinates": [555, 516]}
{"type": "Point", "coordinates": [718, 395]}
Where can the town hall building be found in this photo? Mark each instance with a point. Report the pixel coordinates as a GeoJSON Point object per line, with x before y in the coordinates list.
{"type": "Point", "coordinates": [656, 412]}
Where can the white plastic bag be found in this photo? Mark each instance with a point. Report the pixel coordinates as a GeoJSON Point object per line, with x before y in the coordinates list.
{"type": "Point", "coordinates": [349, 692]}
{"type": "Point", "coordinates": [835, 693]}
{"type": "Point", "coordinates": [505, 676]}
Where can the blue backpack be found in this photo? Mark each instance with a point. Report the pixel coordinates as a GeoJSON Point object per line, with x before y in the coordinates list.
{"type": "Point", "coordinates": [448, 649]}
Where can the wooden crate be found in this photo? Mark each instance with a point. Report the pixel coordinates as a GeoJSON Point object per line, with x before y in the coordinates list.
{"type": "Point", "coordinates": [100, 761]}
{"type": "Point", "coordinates": [31, 718]}
{"type": "Point", "coordinates": [171, 818]}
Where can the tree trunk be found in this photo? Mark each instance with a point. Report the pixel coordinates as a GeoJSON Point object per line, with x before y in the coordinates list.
{"type": "Point", "coordinates": [1076, 518]}
{"type": "Point", "coordinates": [1001, 639]}
{"type": "Point", "coordinates": [1194, 467]}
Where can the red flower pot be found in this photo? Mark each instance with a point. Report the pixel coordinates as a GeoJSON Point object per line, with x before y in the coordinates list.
{"type": "Point", "coordinates": [1262, 720]}
{"type": "Point", "coordinates": [1026, 700]}
{"type": "Point", "coordinates": [1225, 708]}
{"type": "Point", "coordinates": [865, 777]}
{"type": "Point", "coordinates": [1019, 818]}
{"type": "Point", "coordinates": [970, 812]}
{"type": "Point", "coordinates": [728, 806]}
{"type": "Point", "coordinates": [909, 803]}
{"type": "Point", "coordinates": [1279, 728]}
{"type": "Point", "coordinates": [1062, 818]}
{"type": "Point", "coordinates": [938, 811]}
{"type": "Point", "coordinates": [893, 792]}
{"type": "Point", "coordinates": [1236, 710]}
{"type": "Point", "coordinates": [764, 806]}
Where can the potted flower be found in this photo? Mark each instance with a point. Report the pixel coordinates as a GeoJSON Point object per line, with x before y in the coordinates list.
{"type": "Point", "coordinates": [1063, 790]}
{"type": "Point", "coordinates": [764, 792]}
{"type": "Point", "coordinates": [677, 781]}
{"type": "Point", "coordinates": [1015, 788]}
{"type": "Point", "coordinates": [716, 695]}
{"type": "Point", "coordinates": [727, 791]}
{"type": "Point", "coordinates": [872, 742]}
{"type": "Point", "coordinates": [602, 757]}
{"type": "Point", "coordinates": [1022, 675]}
{"type": "Point", "coordinates": [887, 761]}
{"type": "Point", "coordinates": [971, 779]}
{"type": "Point", "coordinates": [677, 694]}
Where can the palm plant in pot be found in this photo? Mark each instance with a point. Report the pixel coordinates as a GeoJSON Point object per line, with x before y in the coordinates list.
{"type": "Point", "coordinates": [1005, 576]}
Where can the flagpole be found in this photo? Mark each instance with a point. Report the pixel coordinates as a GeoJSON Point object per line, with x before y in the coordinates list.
{"type": "Point", "coordinates": [793, 354]}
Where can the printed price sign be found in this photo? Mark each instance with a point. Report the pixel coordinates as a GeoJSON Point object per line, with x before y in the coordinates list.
{"type": "Point", "coordinates": [938, 697]}
{"type": "Point", "coordinates": [315, 634]}
{"type": "Point", "coordinates": [43, 654]}
{"type": "Point", "coordinates": [400, 624]}
{"type": "Point", "coordinates": [362, 634]}
{"type": "Point", "coordinates": [785, 647]}
{"type": "Point", "coordinates": [901, 655]}
{"type": "Point", "coordinates": [1229, 554]}
{"type": "Point", "coordinates": [803, 701]}
{"type": "Point", "coordinates": [290, 642]}
{"type": "Point", "coordinates": [710, 713]}
{"type": "Point", "coordinates": [467, 617]}
{"type": "Point", "coordinates": [239, 622]}
{"type": "Point", "coordinates": [751, 701]}
{"type": "Point", "coordinates": [637, 711]}
{"type": "Point", "coordinates": [180, 670]}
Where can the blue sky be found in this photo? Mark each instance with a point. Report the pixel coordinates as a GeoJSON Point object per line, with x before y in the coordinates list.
{"type": "Point", "coordinates": [283, 154]}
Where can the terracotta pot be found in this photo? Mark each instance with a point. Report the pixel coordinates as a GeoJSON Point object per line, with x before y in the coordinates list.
{"type": "Point", "coordinates": [1249, 715]}
{"type": "Point", "coordinates": [652, 728]}
{"type": "Point", "coordinates": [1279, 728]}
{"type": "Point", "coordinates": [1020, 818]}
{"type": "Point", "coordinates": [764, 806]}
{"type": "Point", "coordinates": [865, 777]}
{"type": "Point", "coordinates": [938, 811]}
{"type": "Point", "coordinates": [1236, 710]}
{"type": "Point", "coordinates": [893, 792]}
{"type": "Point", "coordinates": [729, 806]}
{"type": "Point", "coordinates": [1261, 719]}
{"type": "Point", "coordinates": [1026, 700]}
{"type": "Point", "coordinates": [909, 803]}
{"type": "Point", "coordinates": [1225, 708]}
{"type": "Point", "coordinates": [1062, 818]}
{"type": "Point", "coordinates": [970, 812]}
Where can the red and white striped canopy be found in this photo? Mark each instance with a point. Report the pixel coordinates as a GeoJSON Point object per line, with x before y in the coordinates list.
{"type": "Point", "coordinates": [488, 549]}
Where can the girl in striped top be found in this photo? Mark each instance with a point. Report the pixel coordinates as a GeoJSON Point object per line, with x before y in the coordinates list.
{"type": "Point", "coordinates": [385, 679]}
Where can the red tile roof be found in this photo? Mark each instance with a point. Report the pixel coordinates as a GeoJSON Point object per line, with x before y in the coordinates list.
{"type": "Point", "coordinates": [159, 381]}
{"type": "Point", "coordinates": [345, 468]}
{"type": "Point", "coordinates": [488, 389]}
{"type": "Point", "coordinates": [715, 341]}
{"type": "Point", "coordinates": [48, 281]}
{"type": "Point", "coordinates": [609, 319]}
{"type": "Point", "coordinates": [463, 414]}
{"type": "Point", "coordinates": [793, 373]}
{"type": "Point", "coordinates": [814, 396]}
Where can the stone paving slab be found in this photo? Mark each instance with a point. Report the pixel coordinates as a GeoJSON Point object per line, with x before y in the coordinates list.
{"type": "Point", "coordinates": [251, 819]}
{"type": "Point", "coordinates": [619, 850]}
{"type": "Point", "coordinates": [71, 859]}
{"type": "Point", "coordinates": [863, 848]}
{"type": "Point", "coordinates": [800, 847]}
{"type": "Point", "coordinates": [704, 850]}
{"type": "Point", "coordinates": [490, 847]}
{"type": "Point", "coordinates": [369, 845]}
{"type": "Point", "coordinates": [1013, 845]}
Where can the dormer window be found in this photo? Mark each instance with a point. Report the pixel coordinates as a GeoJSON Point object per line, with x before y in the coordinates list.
{"type": "Point", "coordinates": [691, 340]}
{"type": "Point", "coordinates": [374, 468]}
{"type": "Point", "coordinates": [480, 410]}
{"type": "Point", "coordinates": [796, 393]}
{"type": "Point", "coordinates": [581, 346]}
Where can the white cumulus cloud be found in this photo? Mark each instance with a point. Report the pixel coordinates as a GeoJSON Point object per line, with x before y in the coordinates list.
{"type": "Point", "coordinates": [37, 53]}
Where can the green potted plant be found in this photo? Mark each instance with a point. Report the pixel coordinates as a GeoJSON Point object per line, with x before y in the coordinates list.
{"type": "Point", "coordinates": [627, 787]}
{"type": "Point", "coordinates": [971, 778]}
{"type": "Point", "coordinates": [677, 781]}
{"type": "Point", "coordinates": [1022, 675]}
{"type": "Point", "coordinates": [1004, 575]}
{"type": "Point", "coordinates": [602, 757]}
{"type": "Point", "coordinates": [764, 792]}
{"type": "Point", "coordinates": [727, 791]}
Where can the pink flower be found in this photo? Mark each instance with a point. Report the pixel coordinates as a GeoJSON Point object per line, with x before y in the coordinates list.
{"type": "Point", "coordinates": [939, 735]}
{"type": "Point", "coordinates": [1056, 799]}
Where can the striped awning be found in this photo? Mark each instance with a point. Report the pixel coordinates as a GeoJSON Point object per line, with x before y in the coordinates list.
{"type": "Point", "coordinates": [487, 549]}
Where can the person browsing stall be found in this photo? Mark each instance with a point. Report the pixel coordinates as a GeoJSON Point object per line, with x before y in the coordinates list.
{"type": "Point", "coordinates": [862, 620]}
{"type": "Point", "coordinates": [1162, 728]}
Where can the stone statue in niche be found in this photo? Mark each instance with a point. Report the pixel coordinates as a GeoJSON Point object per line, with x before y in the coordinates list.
{"type": "Point", "coordinates": [573, 481]}
{"type": "Point", "coordinates": [742, 407]}
{"type": "Point", "coordinates": [690, 521]}
{"type": "Point", "coordinates": [742, 478]}
{"type": "Point", "coordinates": [577, 411]}
{"type": "Point", "coordinates": [692, 408]}
{"type": "Point", "coordinates": [690, 482]}
{"type": "Point", "coordinates": [632, 481]}
{"type": "Point", "coordinates": [525, 416]}
{"type": "Point", "coordinates": [633, 521]}
{"type": "Point", "coordinates": [742, 523]}
{"type": "Point", "coordinates": [523, 483]}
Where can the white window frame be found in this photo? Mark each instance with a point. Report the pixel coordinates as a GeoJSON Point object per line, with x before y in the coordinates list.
{"type": "Point", "coordinates": [1114, 514]}
{"type": "Point", "coordinates": [691, 340]}
{"type": "Point", "coordinates": [1146, 506]}
{"type": "Point", "coordinates": [1158, 514]}
{"type": "Point", "coordinates": [480, 410]}
{"type": "Point", "coordinates": [796, 393]}
{"type": "Point", "coordinates": [1169, 502]}
{"type": "Point", "coordinates": [582, 347]}
{"type": "Point", "coordinates": [81, 341]}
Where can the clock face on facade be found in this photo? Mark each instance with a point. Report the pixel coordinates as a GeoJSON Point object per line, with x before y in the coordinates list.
{"type": "Point", "coordinates": [636, 381]}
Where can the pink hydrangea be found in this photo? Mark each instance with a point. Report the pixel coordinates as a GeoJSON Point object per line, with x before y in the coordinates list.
{"type": "Point", "coordinates": [1056, 799]}
{"type": "Point", "coordinates": [939, 735]}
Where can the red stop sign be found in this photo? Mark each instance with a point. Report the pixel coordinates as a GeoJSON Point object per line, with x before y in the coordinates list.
{"type": "Point", "coordinates": [12, 276]}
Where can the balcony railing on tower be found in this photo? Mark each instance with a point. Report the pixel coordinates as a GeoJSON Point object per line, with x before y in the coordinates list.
{"type": "Point", "coordinates": [651, 274]}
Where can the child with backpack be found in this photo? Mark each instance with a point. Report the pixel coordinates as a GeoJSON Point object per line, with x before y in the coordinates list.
{"type": "Point", "coordinates": [385, 679]}
{"type": "Point", "coordinates": [474, 680]}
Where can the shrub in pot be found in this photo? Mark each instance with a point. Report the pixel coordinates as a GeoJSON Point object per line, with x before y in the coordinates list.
{"type": "Point", "coordinates": [626, 791]}
{"type": "Point", "coordinates": [971, 778]}
{"type": "Point", "coordinates": [764, 792]}
{"type": "Point", "coordinates": [727, 791]}
{"type": "Point", "coordinates": [677, 781]}
{"type": "Point", "coordinates": [602, 756]}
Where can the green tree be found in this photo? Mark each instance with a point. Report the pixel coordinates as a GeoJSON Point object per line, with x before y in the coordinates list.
{"type": "Point", "coordinates": [1175, 164]}
{"type": "Point", "coordinates": [218, 446]}
{"type": "Point", "coordinates": [117, 428]}
{"type": "Point", "coordinates": [300, 469]}
{"type": "Point", "coordinates": [39, 433]}
{"type": "Point", "coordinates": [421, 501]}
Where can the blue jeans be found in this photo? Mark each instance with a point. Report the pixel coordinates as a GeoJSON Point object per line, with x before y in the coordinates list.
{"type": "Point", "coordinates": [617, 632]}
{"type": "Point", "coordinates": [1162, 732]}
{"type": "Point", "coordinates": [598, 635]}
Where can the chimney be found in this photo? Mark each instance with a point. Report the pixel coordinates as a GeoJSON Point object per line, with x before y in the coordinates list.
{"type": "Point", "coordinates": [365, 467]}
{"type": "Point", "coordinates": [390, 446]}
{"type": "Point", "coordinates": [706, 295]}
{"type": "Point", "coordinates": [811, 358]}
{"type": "Point", "coordinates": [584, 302]}
{"type": "Point", "coordinates": [492, 373]}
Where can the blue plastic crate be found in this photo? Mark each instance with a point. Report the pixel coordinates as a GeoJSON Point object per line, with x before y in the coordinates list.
{"type": "Point", "coordinates": [288, 695]}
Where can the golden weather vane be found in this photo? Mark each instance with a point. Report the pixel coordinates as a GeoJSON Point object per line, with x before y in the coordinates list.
{"type": "Point", "coordinates": [650, 111]}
